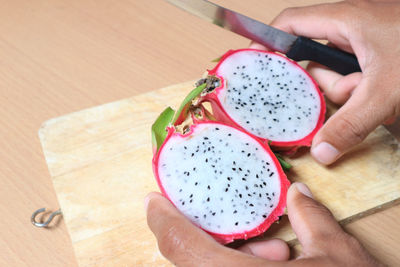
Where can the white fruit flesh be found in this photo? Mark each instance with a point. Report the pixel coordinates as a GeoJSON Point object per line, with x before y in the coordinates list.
{"type": "Point", "coordinates": [220, 178]}
{"type": "Point", "coordinates": [269, 96]}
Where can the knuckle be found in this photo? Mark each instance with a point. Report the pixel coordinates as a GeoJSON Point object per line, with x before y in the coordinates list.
{"type": "Point", "coordinates": [351, 128]}
{"type": "Point", "coordinates": [288, 11]}
{"type": "Point", "coordinates": [169, 242]}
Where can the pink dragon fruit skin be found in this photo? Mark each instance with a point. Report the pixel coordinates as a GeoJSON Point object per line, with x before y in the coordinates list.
{"type": "Point", "coordinates": [226, 181]}
{"type": "Point", "coordinates": [307, 115]}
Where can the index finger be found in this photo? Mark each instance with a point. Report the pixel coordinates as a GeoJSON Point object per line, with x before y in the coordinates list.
{"type": "Point", "coordinates": [323, 21]}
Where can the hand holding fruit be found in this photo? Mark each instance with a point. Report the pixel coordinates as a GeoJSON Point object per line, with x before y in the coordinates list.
{"type": "Point", "coordinates": [369, 29]}
{"type": "Point", "coordinates": [324, 243]}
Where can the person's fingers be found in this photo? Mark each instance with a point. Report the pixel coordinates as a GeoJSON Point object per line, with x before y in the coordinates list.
{"type": "Point", "coordinates": [254, 45]}
{"type": "Point", "coordinates": [178, 239]}
{"type": "Point", "coordinates": [312, 222]}
{"type": "Point", "coordinates": [274, 249]}
{"type": "Point", "coordinates": [184, 244]}
{"type": "Point", "coordinates": [337, 88]}
{"type": "Point", "coordinates": [323, 21]}
{"type": "Point", "coordinates": [351, 124]}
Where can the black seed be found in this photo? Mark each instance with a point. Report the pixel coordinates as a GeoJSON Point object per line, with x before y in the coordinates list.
{"type": "Point", "coordinates": [226, 189]}
{"type": "Point", "coordinates": [233, 169]}
{"type": "Point", "coordinates": [235, 211]}
{"type": "Point", "coordinates": [271, 174]}
{"type": "Point", "coordinates": [213, 214]}
{"type": "Point", "coordinates": [191, 196]}
{"type": "Point", "coordinates": [251, 205]}
{"type": "Point", "coordinates": [244, 179]}
{"type": "Point", "coordinates": [265, 216]}
{"type": "Point", "coordinates": [248, 155]}
{"type": "Point", "coordinates": [236, 223]}
{"type": "Point", "coordinates": [183, 203]}
{"type": "Point", "coordinates": [208, 187]}
{"type": "Point", "coordinates": [196, 183]}
{"type": "Point", "coordinates": [252, 212]}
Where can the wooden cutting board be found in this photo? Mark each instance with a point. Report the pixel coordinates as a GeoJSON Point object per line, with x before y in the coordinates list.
{"type": "Point", "coordinates": [100, 163]}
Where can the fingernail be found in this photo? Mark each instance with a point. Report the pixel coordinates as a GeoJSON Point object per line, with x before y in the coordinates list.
{"type": "Point", "coordinates": [325, 153]}
{"type": "Point", "coordinates": [302, 188]}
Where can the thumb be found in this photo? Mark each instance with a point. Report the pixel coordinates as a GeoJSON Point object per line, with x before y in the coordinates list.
{"type": "Point", "coordinates": [184, 244]}
{"type": "Point", "coordinates": [313, 223]}
{"type": "Point", "coordinates": [350, 125]}
{"type": "Point", "coordinates": [178, 239]}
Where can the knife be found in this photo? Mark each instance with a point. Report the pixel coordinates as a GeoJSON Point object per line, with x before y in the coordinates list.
{"type": "Point", "coordinates": [297, 48]}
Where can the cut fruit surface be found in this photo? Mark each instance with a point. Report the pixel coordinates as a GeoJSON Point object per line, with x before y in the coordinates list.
{"type": "Point", "coordinates": [269, 96]}
{"type": "Point", "coordinates": [224, 180]}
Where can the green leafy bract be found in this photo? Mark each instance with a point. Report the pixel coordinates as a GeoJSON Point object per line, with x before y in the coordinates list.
{"type": "Point", "coordinates": [183, 109]}
{"type": "Point", "coordinates": [285, 165]}
{"type": "Point", "coordinates": [158, 129]}
{"type": "Point", "coordinates": [217, 59]}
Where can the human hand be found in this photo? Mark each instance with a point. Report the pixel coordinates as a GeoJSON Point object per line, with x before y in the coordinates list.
{"type": "Point", "coordinates": [324, 242]}
{"type": "Point", "coordinates": [370, 30]}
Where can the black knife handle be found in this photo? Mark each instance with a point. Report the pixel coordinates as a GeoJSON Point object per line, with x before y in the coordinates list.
{"type": "Point", "coordinates": [337, 60]}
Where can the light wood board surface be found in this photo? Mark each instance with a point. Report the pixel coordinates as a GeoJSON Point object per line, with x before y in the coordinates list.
{"type": "Point", "coordinates": [61, 56]}
{"type": "Point", "coordinates": [100, 163]}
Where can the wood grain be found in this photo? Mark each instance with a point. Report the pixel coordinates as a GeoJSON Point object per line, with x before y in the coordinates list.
{"type": "Point", "coordinates": [61, 56]}
{"type": "Point", "coordinates": [100, 163]}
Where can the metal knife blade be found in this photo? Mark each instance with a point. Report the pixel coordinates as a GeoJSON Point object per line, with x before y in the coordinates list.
{"type": "Point", "coordinates": [294, 47]}
{"type": "Point", "coordinates": [257, 31]}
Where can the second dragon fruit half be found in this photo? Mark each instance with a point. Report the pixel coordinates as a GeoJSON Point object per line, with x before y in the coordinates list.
{"type": "Point", "coordinates": [216, 166]}
{"type": "Point", "coordinates": [267, 95]}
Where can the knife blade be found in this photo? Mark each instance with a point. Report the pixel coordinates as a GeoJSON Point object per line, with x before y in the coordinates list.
{"type": "Point", "coordinates": [297, 48]}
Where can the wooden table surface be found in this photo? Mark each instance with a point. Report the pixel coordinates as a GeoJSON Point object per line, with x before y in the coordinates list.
{"type": "Point", "coordinates": [61, 56]}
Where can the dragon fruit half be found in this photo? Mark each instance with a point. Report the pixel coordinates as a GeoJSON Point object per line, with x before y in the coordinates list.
{"type": "Point", "coordinates": [217, 167]}
{"type": "Point", "coordinates": [266, 94]}
{"type": "Point", "coordinates": [223, 179]}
